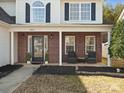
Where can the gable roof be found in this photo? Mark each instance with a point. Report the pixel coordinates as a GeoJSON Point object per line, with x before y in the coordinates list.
{"type": "Point", "coordinates": [5, 17]}
{"type": "Point", "coordinates": [122, 15]}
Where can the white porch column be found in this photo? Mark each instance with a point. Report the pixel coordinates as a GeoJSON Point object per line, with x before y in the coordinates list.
{"type": "Point", "coordinates": [12, 48]}
{"type": "Point", "coordinates": [108, 55]}
{"type": "Point", "coordinates": [60, 48]}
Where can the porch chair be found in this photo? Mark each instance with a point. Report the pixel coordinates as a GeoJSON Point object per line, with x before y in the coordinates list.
{"type": "Point", "coordinates": [72, 58]}
{"type": "Point", "coordinates": [91, 57]}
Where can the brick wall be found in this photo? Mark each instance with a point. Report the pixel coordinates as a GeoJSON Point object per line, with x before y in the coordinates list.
{"type": "Point", "coordinates": [80, 44]}
{"type": "Point", "coordinates": [53, 46]}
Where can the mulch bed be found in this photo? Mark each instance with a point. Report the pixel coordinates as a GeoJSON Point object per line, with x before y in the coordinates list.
{"type": "Point", "coordinates": [6, 70]}
{"type": "Point", "coordinates": [100, 69]}
{"type": "Point", "coordinates": [80, 70]}
{"type": "Point", "coordinates": [60, 70]}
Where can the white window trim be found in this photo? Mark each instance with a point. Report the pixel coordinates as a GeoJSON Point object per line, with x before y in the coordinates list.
{"type": "Point", "coordinates": [65, 43]}
{"type": "Point", "coordinates": [29, 48]}
{"type": "Point", "coordinates": [30, 44]}
{"type": "Point", "coordinates": [31, 12]}
{"type": "Point", "coordinates": [93, 45]}
{"type": "Point", "coordinates": [45, 47]}
{"type": "Point", "coordinates": [80, 12]}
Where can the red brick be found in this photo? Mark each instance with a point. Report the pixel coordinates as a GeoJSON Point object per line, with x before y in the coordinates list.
{"type": "Point", "coordinates": [80, 44]}
{"type": "Point", "coordinates": [53, 45]}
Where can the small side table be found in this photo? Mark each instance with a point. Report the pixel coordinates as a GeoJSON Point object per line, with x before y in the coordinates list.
{"type": "Point", "coordinates": [82, 59]}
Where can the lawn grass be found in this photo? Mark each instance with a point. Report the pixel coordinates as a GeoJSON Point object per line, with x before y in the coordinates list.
{"type": "Point", "coordinates": [71, 84]}
{"type": "Point", "coordinates": [103, 84]}
{"type": "Point", "coordinates": [52, 84]}
{"type": "Point", "coordinates": [115, 62]}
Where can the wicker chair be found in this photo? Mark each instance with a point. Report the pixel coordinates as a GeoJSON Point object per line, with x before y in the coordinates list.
{"type": "Point", "coordinates": [91, 57]}
{"type": "Point", "coordinates": [72, 58]}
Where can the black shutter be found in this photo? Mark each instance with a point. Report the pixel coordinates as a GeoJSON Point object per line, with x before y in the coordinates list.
{"type": "Point", "coordinates": [93, 11]}
{"type": "Point", "coordinates": [48, 12]}
{"type": "Point", "coordinates": [27, 13]}
{"type": "Point", "coordinates": [66, 11]}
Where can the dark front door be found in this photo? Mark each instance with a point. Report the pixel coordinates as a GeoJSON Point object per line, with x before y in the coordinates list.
{"type": "Point", "coordinates": [37, 49]}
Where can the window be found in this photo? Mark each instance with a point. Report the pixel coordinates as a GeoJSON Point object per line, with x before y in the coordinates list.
{"type": "Point", "coordinates": [69, 44]}
{"type": "Point", "coordinates": [38, 12]}
{"type": "Point", "coordinates": [90, 43]}
{"type": "Point", "coordinates": [74, 11]}
{"type": "Point", "coordinates": [79, 12]}
{"type": "Point", "coordinates": [85, 12]}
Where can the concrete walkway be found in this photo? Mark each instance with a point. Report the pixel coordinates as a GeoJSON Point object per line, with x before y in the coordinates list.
{"type": "Point", "coordinates": [12, 81]}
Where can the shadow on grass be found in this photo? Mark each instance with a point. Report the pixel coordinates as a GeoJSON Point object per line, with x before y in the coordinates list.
{"type": "Point", "coordinates": [53, 80]}
{"type": "Point", "coordinates": [70, 80]}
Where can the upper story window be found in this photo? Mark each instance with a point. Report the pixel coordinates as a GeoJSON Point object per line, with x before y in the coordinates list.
{"type": "Point", "coordinates": [38, 12]}
{"type": "Point", "coordinates": [74, 12]}
{"type": "Point", "coordinates": [80, 12]}
{"type": "Point", "coordinates": [85, 12]}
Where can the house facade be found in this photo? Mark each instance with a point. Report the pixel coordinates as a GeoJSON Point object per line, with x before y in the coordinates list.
{"type": "Point", "coordinates": [52, 27]}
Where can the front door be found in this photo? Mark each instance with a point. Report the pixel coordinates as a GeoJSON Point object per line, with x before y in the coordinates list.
{"type": "Point", "coordinates": [37, 49]}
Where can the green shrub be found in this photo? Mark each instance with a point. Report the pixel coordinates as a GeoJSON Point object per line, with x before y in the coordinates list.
{"type": "Point", "coordinates": [46, 56]}
{"type": "Point", "coordinates": [28, 56]}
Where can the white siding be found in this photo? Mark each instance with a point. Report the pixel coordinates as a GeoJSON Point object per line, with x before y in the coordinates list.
{"type": "Point", "coordinates": [9, 7]}
{"type": "Point", "coordinates": [99, 10]}
{"type": "Point", "coordinates": [20, 10]}
{"type": "Point", "coordinates": [57, 10]}
{"type": "Point", "coordinates": [4, 46]}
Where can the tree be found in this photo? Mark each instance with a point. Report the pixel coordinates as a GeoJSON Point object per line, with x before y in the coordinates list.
{"type": "Point", "coordinates": [108, 15]}
{"type": "Point", "coordinates": [117, 41]}
{"type": "Point", "coordinates": [117, 11]}
{"type": "Point", "coordinates": [111, 14]}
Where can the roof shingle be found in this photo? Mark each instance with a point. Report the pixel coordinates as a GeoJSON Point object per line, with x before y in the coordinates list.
{"type": "Point", "coordinates": [6, 18]}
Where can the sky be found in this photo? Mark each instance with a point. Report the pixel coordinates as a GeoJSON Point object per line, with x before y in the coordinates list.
{"type": "Point", "coordinates": [114, 2]}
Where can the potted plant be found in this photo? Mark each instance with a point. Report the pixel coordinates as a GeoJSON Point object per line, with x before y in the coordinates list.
{"type": "Point", "coordinates": [28, 58]}
{"type": "Point", "coordinates": [46, 58]}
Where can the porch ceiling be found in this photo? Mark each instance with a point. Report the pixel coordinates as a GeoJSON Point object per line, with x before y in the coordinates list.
{"type": "Point", "coordinates": [61, 28]}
